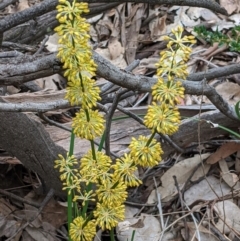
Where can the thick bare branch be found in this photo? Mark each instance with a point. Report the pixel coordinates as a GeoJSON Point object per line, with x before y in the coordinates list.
{"type": "Point", "coordinates": [49, 5]}
{"type": "Point", "coordinates": [28, 68]}
{"type": "Point", "coordinates": [215, 73]}
{"type": "Point", "coordinates": [43, 66]}
{"type": "Point", "coordinates": [34, 107]}
{"type": "Point", "coordinates": [35, 30]}
{"type": "Point", "coordinates": [27, 14]}
{"type": "Point", "coordinates": [5, 3]}
{"type": "Point", "coordinates": [212, 5]}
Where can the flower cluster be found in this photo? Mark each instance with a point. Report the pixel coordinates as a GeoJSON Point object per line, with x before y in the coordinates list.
{"type": "Point", "coordinates": [76, 55]}
{"type": "Point", "coordinates": [111, 180]}
{"type": "Point", "coordinates": [162, 116]}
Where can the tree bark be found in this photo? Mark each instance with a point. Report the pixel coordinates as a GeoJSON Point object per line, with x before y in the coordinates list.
{"type": "Point", "coordinates": [25, 138]}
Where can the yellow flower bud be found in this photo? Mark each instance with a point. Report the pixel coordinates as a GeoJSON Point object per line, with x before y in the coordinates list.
{"type": "Point", "coordinates": [62, 1]}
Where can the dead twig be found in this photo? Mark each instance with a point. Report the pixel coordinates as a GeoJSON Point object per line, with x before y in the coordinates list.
{"type": "Point", "coordinates": [17, 198]}
{"type": "Point", "coordinates": [43, 204]}
{"type": "Point", "coordinates": [182, 205]}
{"type": "Point", "coordinates": [159, 205]}
{"type": "Point", "coordinates": [109, 119]}
{"type": "Point", "coordinates": [42, 45]}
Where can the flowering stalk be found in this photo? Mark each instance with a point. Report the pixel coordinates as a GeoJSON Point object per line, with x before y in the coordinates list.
{"type": "Point", "coordinates": [95, 166]}
{"type": "Point", "coordinates": [163, 116]}
{"type": "Point", "coordinates": [111, 180]}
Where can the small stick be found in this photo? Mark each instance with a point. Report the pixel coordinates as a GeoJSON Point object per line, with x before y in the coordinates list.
{"type": "Point", "coordinates": [181, 199]}
{"type": "Point", "coordinates": [13, 196]}
{"type": "Point", "coordinates": [42, 45]}
{"type": "Point", "coordinates": [43, 204]}
{"type": "Point", "coordinates": [159, 205]}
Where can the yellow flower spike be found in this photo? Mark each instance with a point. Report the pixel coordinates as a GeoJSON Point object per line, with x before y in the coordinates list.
{"type": "Point", "coordinates": [81, 229]}
{"type": "Point", "coordinates": [58, 15]}
{"type": "Point", "coordinates": [112, 192]}
{"type": "Point", "coordinates": [95, 169]}
{"type": "Point", "coordinates": [107, 217]}
{"type": "Point", "coordinates": [86, 94]}
{"type": "Point", "coordinates": [144, 154]}
{"type": "Point", "coordinates": [163, 119]}
{"type": "Point", "coordinates": [125, 169]}
{"type": "Point", "coordinates": [180, 41]}
{"type": "Point", "coordinates": [166, 38]}
{"type": "Point", "coordinates": [180, 29]}
{"type": "Point", "coordinates": [70, 16]}
{"type": "Point", "coordinates": [88, 129]}
{"type": "Point", "coordinates": [169, 93]}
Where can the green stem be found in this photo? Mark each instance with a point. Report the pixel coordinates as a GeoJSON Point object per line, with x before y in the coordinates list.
{"type": "Point", "coordinates": [100, 147]}
{"type": "Point", "coordinates": [69, 211]}
{"type": "Point", "coordinates": [71, 148]}
{"type": "Point", "coordinates": [89, 186]}
{"type": "Point", "coordinates": [133, 234]}
{"type": "Point", "coordinates": [85, 207]}
{"type": "Point", "coordinates": [93, 150]}
{"type": "Point", "coordinates": [112, 234]}
{"type": "Point", "coordinates": [229, 131]}
{"type": "Point", "coordinates": [151, 137]}
{"type": "Point", "coordinates": [70, 195]}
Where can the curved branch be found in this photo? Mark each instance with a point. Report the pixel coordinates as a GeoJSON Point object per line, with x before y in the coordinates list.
{"type": "Point", "coordinates": [28, 68]}
{"type": "Point", "coordinates": [215, 73]}
{"type": "Point", "coordinates": [34, 107]}
{"type": "Point", "coordinates": [34, 30]}
{"type": "Point", "coordinates": [34, 68]}
{"type": "Point", "coordinates": [49, 5]}
{"type": "Point", "coordinates": [144, 84]}
{"type": "Point", "coordinates": [27, 14]}
{"type": "Point", "coordinates": [212, 5]}
{"type": "Point", "coordinates": [5, 3]}
{"type": "Point", "coordinates": [202, 88]}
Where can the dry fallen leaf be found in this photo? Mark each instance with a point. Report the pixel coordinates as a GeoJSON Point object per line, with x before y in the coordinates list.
{"type": "Point", "coordinates": [37, 234]}
{"type": "Point", "coordinates": [147, 227]}
{"type": "Point", "coordinates": [52, 43]}
{"type": "Point", "coordinates": [8, 227]}
{"type": "Point", "coordinates": [54, 214]}
{"type": "Point", "coordinates": [118, 62]}
{"type": "Point", "coordinates": [230, 5]}
{"type": "Point", "coordinates": [23, 4]}
{"type": "Point", "coordinates": [229, 216]}
{"type": "Point", "coordinates": [230, 178]}
{"type": "Point", "coordinates": [115, 48]}
{"type": "Point", "coordinates": [133, 31]}
{"type": "Point", "coordinates": [157, 28]}
{"type": "Point", "coordinates": [224, 151]}
{"type": "Point", "coordinates": [182, 170]}
{"type": "Point", "coordinates": [229, 91]}
{"type": "Point", "coordinates": [205, 234]}
{"type": "Point", "coordinates": [205, 190]}
{"type": "Point", "coordinates": [237, 162]}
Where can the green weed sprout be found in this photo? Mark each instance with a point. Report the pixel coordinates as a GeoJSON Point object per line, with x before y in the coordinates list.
{"type": "Point", "coordinates": [96, 168]}
{"type": "Point", "coordinates": [232, 39]}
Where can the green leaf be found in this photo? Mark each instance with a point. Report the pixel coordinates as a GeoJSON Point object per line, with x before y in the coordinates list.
{"type": "Point", "coordinates": [237, 109]}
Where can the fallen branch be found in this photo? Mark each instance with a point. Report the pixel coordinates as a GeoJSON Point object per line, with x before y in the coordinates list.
{"type": "Point", "coordinates": [5, 3]}
{"type": "Point", "coordinates": [34, 107]}
{"type": "Point", "coordinates": [49, 5]}
{"type": "Point", "coordinates": [41, 66]}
